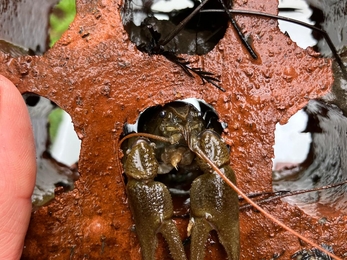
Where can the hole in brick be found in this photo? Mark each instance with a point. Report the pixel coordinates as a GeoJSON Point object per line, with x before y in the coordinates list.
{"type": "Point", "coordinates": [57, 148]}
{"type": "Point", "coordinates": [199, 36]}
{"type": "Point", "coordinates": [324, 164]}
{"type": "Point", "coordinates": [291, 143]}
{"type": "Point", "coordinates": [155, 120]}
{"type": "Point", "coordinates": [298, 10]}
{"type": "Point", "coordinates": [310, 148]}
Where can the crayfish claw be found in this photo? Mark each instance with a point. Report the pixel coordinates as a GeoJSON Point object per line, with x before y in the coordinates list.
{"type": "Point", "coordinates": [150, 203]}
{"type": "Point", "coordinates": [214, 205]}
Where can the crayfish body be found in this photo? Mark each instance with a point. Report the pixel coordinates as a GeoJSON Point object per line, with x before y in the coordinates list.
{"type": "Point", "coordinates": [213, 204]}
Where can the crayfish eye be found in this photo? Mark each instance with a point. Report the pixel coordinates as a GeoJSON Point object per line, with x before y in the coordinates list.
{"type": "Point", "coordinates": [162, 114]}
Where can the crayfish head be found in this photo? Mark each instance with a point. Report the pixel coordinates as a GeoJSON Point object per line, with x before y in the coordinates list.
{"type": "Point", "coordinates": [178, 122]}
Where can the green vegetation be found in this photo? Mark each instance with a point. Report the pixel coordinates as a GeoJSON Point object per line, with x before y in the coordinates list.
{"type": "Point", "coordinates": [63, 14]}
{"type": "Point", "coordinates": [54, 119]}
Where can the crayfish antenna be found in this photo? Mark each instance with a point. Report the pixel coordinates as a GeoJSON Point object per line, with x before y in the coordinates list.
{"type": "Point", "coordinates": [150, 136]}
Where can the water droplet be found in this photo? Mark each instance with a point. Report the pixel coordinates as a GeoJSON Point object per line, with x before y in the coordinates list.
{"type": "Point", "coordinates": [267, 73]}
{"type": "Point", "coordinates": [311, 68]}
{"type": "Point", "coordinates": [270, 53]}
{"type": "Point", "coordinates": [249, 72]}
{"type": "Point", "coordinates": [28, 59]}
{"type": "Point", "coordinates": [289, 73]}
{"type": "Point", "coordinates": [236, 126]}
{"type": "Point", "coordinates": [323, 87]}
{"type": "Point", "coordinates": [310, 51]}
{"type": "Point", "coordinates": [80, 135]}
{"type": "Point", "coordinates": [299, 55]}
{"type": "Point", "coordinates": [323, 221]}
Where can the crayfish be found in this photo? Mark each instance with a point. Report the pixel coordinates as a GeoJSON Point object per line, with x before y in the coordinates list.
{"type": "Point", "coordinates": [182, 141]}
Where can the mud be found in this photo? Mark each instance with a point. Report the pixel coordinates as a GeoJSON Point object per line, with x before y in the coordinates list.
{"type": "Point", "coordinates": [100, 78]}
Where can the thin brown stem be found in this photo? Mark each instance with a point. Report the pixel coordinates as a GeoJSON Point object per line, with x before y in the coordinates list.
{"type": "Point", "coordinates": [181, 25]}
{"type": "Point", "coordinates": [287, 19]}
